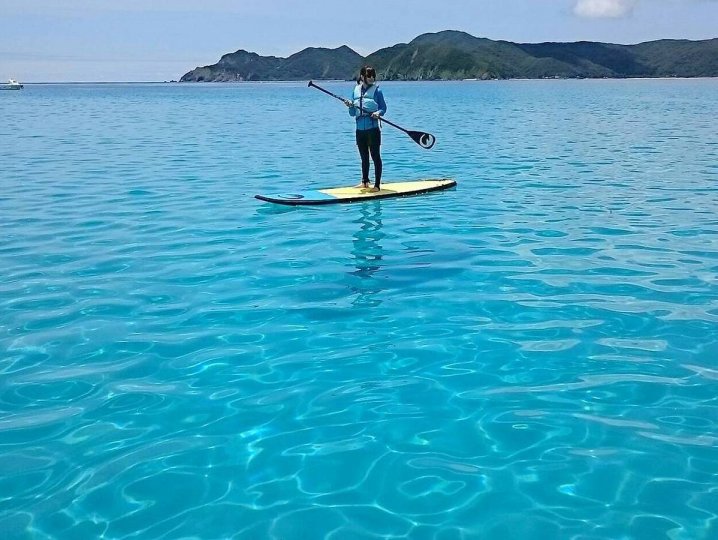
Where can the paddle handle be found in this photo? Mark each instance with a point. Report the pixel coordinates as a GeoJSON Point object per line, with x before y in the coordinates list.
{"type": "Point", "coordinates": [311, 83]}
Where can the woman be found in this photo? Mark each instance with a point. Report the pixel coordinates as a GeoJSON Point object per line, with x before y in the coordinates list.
{"type": "Point", "coordinates": [367, 106]}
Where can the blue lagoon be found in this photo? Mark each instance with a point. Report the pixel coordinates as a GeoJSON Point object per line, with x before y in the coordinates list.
{"type": "Point", "coordinates": [532, 355]}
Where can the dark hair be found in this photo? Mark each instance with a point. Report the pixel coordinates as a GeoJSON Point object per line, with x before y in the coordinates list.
{"type": "Point", "coordinates": [366, 71]}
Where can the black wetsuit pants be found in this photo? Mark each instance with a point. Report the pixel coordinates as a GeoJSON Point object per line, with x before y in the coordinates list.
{"type": "Point", "coordinates": [369, 142]}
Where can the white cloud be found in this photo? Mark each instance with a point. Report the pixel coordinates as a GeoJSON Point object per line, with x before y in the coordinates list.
{"type": "Point", "coordinates": [603, 9]}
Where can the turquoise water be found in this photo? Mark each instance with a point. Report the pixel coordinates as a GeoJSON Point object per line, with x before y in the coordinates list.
{"type": "Point", "coordinates": [532, 355]}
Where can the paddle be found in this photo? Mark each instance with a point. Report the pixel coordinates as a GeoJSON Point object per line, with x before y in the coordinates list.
{"type": "Point", "coordinates": [425, 140]}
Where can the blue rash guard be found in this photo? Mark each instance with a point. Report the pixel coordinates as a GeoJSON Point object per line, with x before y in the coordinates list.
{"type": "Point", "coordinates": [370, 99]}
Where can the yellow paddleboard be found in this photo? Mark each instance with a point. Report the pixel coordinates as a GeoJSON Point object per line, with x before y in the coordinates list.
{"type": "Point", "coordinates": [354, 194]}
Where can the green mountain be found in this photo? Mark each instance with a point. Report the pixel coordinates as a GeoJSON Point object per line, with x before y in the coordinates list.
{"type": "Point", "coordinates": [311, 63]}
{"type": "Point", "coordinates": [451, 55]}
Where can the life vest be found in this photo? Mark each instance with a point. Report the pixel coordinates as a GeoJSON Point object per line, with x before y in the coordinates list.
{"type": "Point", "coordinates": [365, 101]}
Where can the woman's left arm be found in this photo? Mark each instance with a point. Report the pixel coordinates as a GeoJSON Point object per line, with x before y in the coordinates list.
{"type": "Point", "coordinates": [379, 96]}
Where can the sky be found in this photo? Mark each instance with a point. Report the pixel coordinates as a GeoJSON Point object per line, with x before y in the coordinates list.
{"type": "Point", "coordinates": [160, 40]}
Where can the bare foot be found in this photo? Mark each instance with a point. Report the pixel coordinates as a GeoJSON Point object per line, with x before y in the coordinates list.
{"type": "Point", "coordinates": [362, 185]}
{"type": "Point", "coordinates": [374, 189]}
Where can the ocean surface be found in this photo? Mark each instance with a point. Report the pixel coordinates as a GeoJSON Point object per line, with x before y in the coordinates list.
{"type": "Point", "coordinates": [531, 355]}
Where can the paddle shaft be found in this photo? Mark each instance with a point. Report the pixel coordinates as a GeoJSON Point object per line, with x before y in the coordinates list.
{"type": "Point", "coordinates": [311, 83]}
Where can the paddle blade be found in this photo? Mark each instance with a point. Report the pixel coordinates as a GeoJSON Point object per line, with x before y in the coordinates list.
{"type": "Point", "coordinates": [425, 140]}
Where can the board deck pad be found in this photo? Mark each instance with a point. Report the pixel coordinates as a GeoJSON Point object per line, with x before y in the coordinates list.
{"type": "Point", "coordinates": [355, 194]}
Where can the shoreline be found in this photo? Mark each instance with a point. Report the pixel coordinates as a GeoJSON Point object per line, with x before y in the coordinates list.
{"type": "Point", "coordinates": [295, 81]}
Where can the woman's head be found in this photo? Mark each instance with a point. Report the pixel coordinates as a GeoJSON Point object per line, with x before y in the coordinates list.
{"type": "Point", "coordinates": [367, 74]}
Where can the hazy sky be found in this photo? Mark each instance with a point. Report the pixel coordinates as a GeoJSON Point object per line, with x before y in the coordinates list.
{"type": "Point", "coordinates": [156, 40]}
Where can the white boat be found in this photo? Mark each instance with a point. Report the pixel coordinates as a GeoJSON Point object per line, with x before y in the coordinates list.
{"type": "Point", "coordinates": [12, 84]}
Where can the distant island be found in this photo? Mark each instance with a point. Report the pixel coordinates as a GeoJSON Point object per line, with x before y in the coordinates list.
{"type": "Point", "coordinates": [453, 55]}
